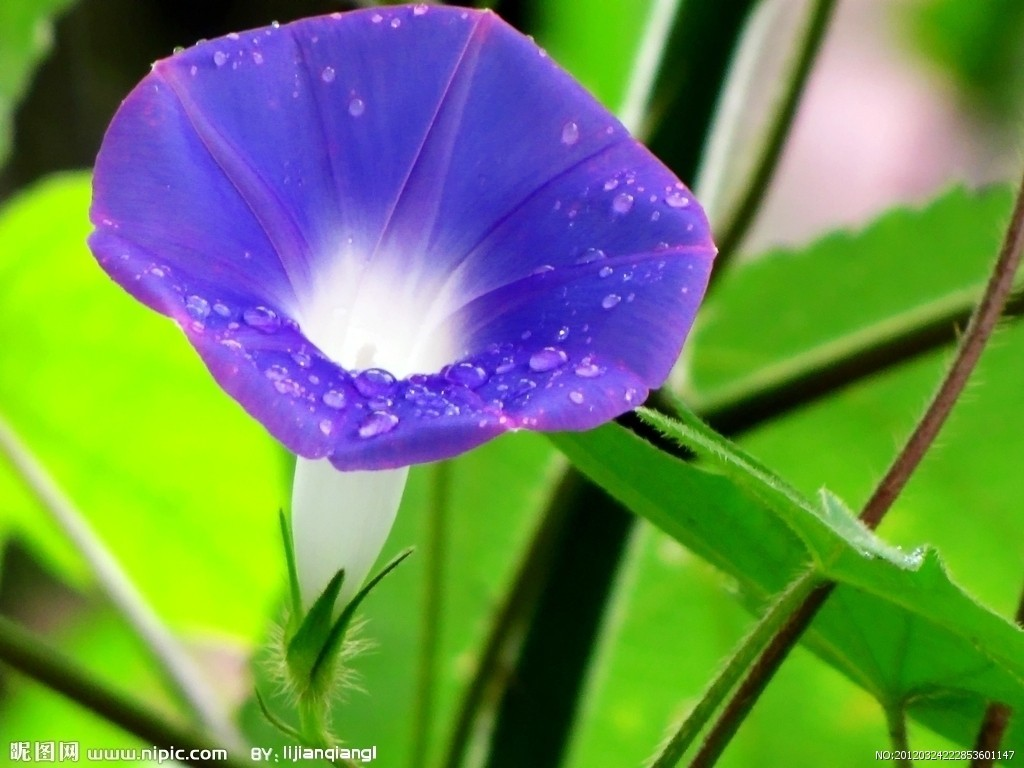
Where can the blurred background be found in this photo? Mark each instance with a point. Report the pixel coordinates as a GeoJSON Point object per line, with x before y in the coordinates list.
{"type": "Point", "coordinates": [908, 97]}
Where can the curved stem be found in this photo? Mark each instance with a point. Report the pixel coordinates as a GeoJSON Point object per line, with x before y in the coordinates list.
{"type": "Point", "coordinates": [737, 663]}
{"type": "Point", "coordinates": [979, 330]}
{"type": "Point", "coordinates": [183, 674]}
{"type": "Point", "coordinates": [31, 656]}
{"type": "Point", "coordinates": [735, 227]}
{"type": "Point", "coordinates": [644, 73]}
{"type": "Point", "coordinates": [488, 684]}
{"type": "Point", "coordinates": [430, 618]}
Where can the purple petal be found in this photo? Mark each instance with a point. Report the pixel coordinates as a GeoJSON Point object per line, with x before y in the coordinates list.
{"type": "Point", "coordinates": [394, 234]}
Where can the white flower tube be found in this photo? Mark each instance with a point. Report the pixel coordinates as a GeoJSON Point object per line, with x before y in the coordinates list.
{"type": "Point", "coordinates": [340, 520]}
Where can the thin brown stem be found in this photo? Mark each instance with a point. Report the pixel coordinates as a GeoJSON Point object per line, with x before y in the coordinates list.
{"type": "Point", "coordinates": [997, 717]}
{"type": "Point", "coordinates": [979, 329]}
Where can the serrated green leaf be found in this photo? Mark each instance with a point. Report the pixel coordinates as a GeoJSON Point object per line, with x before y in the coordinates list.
{"type": "Point", "coordinates": [949, 646]}
{"type": "Point", "coordinates": [25, 37]}
{"type": "Point", "coordinates": [180, 484]}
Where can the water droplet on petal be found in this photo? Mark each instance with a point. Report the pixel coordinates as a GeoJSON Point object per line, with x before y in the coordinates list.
{"type": "Point", "coordinates": [276, 372]}
{"type": "Point", "coordinates": [197, 307]}
{"type": "Point", "coordinates": [356, 107]}
{"type": "Point", "coordinates": [622, 203]}
{"type": "Point", "coordinates": [327, 75]}
{"type": "Point", "coordinates": [377, 423]}
{"type": "Point", "coordinates": [396, 23]}
{"type": "Point", "coordinates": [376, 18]}
{"type": "Point", "coordinates": [334, 398]}
{"type": "Point", "coordinates": [467, 374]}
{"type": "Point", "coordinates": [563, 333]}
{"type": "Point", "coordinates": [177, 49]}
{"type": "Point", "coordinates": [588, 369]}
{"type": "Point", "coordinates": [419, 9]}
{"type": "Point", "coordinates": [302, 359]}
{"type": "Point", "coordinates": [576, 397]}
{"type": "Point", "coordinates": [605, 271]}
{"type": "Point", "coordinates": [326, 426]}
{"type": "Point", "coordinates": [570, 134]}
{"type": "Point", "coordinates": [506, 365]}
{"type": "Point", "coordinates": [610, 300]}
{"type": "Point", "coordinates": [677, 200]}
{"type": "Point", "coordinates": [263, 319]}
{"type": "Point", "coordinates": [257, 57]}
{"type": "Point", "coordinates": [547, 359]}
{"type": "Point", "coordinates": [610, 185]}
{"type": "Point", "coordinates": [591, 255]}
{"type": "Point", "coordinates": [275, 24]}
{"type": "Point", "coordinates": [222, 309]}
{"type": "Point", "coordinates": [373, 382]}
{"type": "Point", "coordinates": [220, 58]}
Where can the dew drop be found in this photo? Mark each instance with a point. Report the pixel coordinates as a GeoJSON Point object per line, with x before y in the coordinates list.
{"type": "Point", "coordinates": [576, 397]}
{"type": "Point", "coordinates": [327, 75]}
{"type": "Point", "coordinates": [547, 359]}
{"type": "Point", "coordinates": [622, 202]}
{"type": "Point", "coordinates": [570, 134]}
{"type": "Point", "coordinates": [467, 374]}
{"type": "Point", "coordinates": [276, 373]}
{"type": "Point", "coordinates": [591, 255]}
{"type": "Point", "coordinates": [563, 333]}
{"type": "Point", "coordinates": [257, 57]}
{"type": "Point", "coordinates": [588, 369]}
{"type": "Point", "coordinates": [288, 387]}
{"type": "Point", "coordinates": [177, 49]}
{"type": "Point", "coordinates": [356, 107]}
{"type": "Point", "coordinates": [263, 319]}
{"type": "Point", "coordinates": [334, 398]}
{"type": "Point", "coordinates": [610, 300]}
{"type": "Point", "coordinates": [605, 272]}
{"type": "Point", "coordinates": [419, 9]}
{"type": "Point", "coordinates": [302, 359]}
{"type": "Point", "coordinates": [220, 58]}
{"type": "Point", "coordinates": [326, 426]}
{"type": "Point", "coordinates": [373, 382]}
{"type": "Point", "coordinates": [610, 185]}
{"type": "Point", "coordinates": [197, 307]}
{"type": "Point", "coordinates": [677, 200]}
{"type": "Point", "coordinates": [222, 309]}
{"type": "Point", "coordinates": [376, 18]}
{"type": "Point", "coordinates": [378, 423]}
{"type": "Point", "coordinates": [396, 23]}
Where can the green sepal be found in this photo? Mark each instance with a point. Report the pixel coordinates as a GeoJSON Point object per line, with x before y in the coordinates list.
{"type": "Point", "coordinates": [323, 667]}
{"type": "Point", "coordinates": [305, 647]}
{"type": "Point", "coordinates": [293, 573]}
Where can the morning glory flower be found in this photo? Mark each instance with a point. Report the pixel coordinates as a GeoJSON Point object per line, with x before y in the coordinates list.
{"type": "Point", "coordinates": [392, 235]}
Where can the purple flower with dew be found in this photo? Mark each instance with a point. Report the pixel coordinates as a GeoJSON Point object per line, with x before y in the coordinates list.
{"type": "Point", "coordinates": [392, 235]}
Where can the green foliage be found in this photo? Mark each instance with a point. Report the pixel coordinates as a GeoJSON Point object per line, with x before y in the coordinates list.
{"type": "Point", "coordinates": [177, 481]}
{"type": "Point", "coordinates": [25, 37]}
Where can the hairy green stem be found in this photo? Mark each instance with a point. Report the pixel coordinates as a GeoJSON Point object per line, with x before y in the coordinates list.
{"type": "Point", "coordinates": [737, 663]}
{"type": "Point", "coordinates": [896, 721]}
{"type": "Point", "coordinates": [31, 656]}
{"type": "Point", "coordinates": [182, 673]}
{"type": "Point", "coordinates": [434, 555]}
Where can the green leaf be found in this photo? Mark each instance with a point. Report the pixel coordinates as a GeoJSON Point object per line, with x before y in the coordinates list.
{"type": "Point", "coordinates": [908, 635]}
{"type": "Point", "coordinates": [848, 292]}
{"type": "Point", "coordinates": [175, 478]}
{"type": "Point", "coordinates": [26, 35]}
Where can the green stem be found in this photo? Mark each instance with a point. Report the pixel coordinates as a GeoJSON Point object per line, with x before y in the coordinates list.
{"type": "Point", "coordinates": [32, 656]}
{"type": "Point", "coordinates": [735, 226]}
{"type": "Point", "coordinates": [736, 665]}
{"type": "Point", "coordinates": [184, 676]}
{"type": "Point", "coordinates": [430, 619]}
{"type": "Point", "coordinates": [643, 75]}
{"type": "Point", "coordinates": [896, 720]}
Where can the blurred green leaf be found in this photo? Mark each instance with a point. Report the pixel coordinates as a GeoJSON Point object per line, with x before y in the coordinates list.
{"type": "Point", "coordinates": [903, 631]}
{"type": "Point", "coordinates": [979, 45]}
{"type": "Point", "coordinates": [25, 37]}
{"type": "Point", "coordinates": [495, 495]}
{"type": "Point", "coordinates": [846, 292]}
{"type": "Point", "coordinates": [181, 485]}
